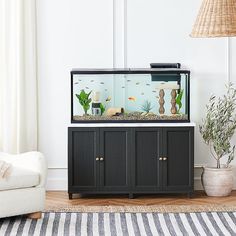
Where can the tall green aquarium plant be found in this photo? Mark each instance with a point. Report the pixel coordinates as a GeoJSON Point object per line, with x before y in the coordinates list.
{"type": "Point", "coordinates": [178, 100]}
{"type": "Point", "coordinates": [219, 125]}
{"type": "Point", "coordinates": [84, 100]}
{"type": "Point", "coordinates": [103, 108]}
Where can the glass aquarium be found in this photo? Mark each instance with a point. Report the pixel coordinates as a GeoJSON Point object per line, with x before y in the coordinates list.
{"type": "Point", "coordinates": [130, 95]}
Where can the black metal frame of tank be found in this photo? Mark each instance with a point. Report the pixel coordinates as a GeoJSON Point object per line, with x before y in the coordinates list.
{"type": "Point", "coordinates": [132, 71]}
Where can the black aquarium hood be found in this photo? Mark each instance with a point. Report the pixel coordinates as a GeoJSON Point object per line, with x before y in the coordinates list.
{"type": "Point", "coordinates": [128, 70]}
{"type": "Point", "coordinates": [159, 71]}
{"type": "Point", "coordinates": [154, 68]}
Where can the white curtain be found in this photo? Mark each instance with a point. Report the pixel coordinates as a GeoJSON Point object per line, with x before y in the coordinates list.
{"type": "Point", "coordinates": [18, 81]}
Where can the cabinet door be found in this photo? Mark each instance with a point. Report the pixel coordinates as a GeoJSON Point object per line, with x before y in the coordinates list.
{"type": "Point", "coordinates": [114, 159]}
{"type": "Point", "coordinates": [82, 165]}
{"type": "Point", "coordinates": [145, 162]}
{"type": "Point", "coordinates": [178, 168]}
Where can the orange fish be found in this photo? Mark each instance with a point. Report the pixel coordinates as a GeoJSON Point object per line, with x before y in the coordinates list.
{"type": "Point", "coordinates": [132, 98]}
{"type": "Point", "coordinates": [108, 99]}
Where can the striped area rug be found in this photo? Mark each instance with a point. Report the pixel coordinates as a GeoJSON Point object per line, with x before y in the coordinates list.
{"type": "Point", "coordinates": [94, 224]}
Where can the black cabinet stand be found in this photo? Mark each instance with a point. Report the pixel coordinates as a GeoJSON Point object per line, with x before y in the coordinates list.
{"type": "Point", "coordinates": [130, 160]}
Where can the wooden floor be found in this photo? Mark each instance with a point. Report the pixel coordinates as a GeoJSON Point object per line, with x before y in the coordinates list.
{"type": "Point", "coordinates": [199, 198]}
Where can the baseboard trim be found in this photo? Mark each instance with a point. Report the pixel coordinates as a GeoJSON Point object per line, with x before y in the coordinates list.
{"type": "Point", "coordinates": [57, 179]}
{"type": "Point", "coordinates": [57, 184]}
{"type": "Point", "coordinates": [60, 183]}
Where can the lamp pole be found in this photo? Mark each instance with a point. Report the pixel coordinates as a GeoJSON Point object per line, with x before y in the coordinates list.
{"type": "Point", "coordinates": [229, 59]}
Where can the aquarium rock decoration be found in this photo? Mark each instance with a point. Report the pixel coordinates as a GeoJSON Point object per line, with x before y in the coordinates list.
{"type": "Point", "coordinates": [173, 87]}
{"type": "Point", "coordinates": [161, 101]}
{"type": "Point", "coordinates": [84, 100]}
{"type": "Point", "coordinates": [96, 109]}
{"type": "Point", "coordinates": [173, 109]}
{"type": "Point", "coordinates": [96, 104]}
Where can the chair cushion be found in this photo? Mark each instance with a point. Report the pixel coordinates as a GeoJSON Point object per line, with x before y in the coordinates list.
{"type": "Point", "coordinates": [19, 178]}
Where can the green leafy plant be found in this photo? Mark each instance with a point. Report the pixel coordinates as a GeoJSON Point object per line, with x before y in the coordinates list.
{"type": "Point", "coordinates": [84, 100]}
{"type": "Point", "coordinates": [103, 108]}
{"type": "Point", "coordinates": [147, 106]}
{"type": "Point", "coordinates": [178, 100]}
{"type": "Point", "coordinates": [219, 125]}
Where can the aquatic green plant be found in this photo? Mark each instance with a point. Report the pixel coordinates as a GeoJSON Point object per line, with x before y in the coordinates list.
{"type": "Point", "coordinates": [103, 108]}
{"type": "Point", "coordinates": [84, 100]}
{"type": "Point", "coordinates": [147, 106]}
{"type": "Point", "coordinates": [178, 100]}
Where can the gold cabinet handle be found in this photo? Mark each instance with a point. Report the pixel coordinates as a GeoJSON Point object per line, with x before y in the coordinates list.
{"type": "Point", "coordinates": [97, 158]}
{"type": "Point", "coordinates": [164, 158]}
{"type": "Point", "coordinates": [101, 159]}
{"type": "Point", "coordinates": [160, 158]}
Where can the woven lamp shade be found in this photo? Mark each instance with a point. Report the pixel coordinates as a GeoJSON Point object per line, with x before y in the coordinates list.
{"type": "Point", "coordinates": [216, 18]}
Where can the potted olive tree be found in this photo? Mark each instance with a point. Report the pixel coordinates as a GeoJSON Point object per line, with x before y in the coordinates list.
{"type": "Point", "coordinates": [217, 130]}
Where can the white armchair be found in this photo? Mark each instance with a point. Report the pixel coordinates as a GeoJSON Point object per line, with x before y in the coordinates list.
{"type": "Point", "coordinates": [23, 191]}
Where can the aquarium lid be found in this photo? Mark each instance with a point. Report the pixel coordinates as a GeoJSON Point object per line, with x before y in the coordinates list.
{"type": "Point", "coordinates": [130, 71]}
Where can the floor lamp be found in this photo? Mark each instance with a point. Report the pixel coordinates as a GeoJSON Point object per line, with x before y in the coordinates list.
{"type": "Point", "coordinates": [216, 18]}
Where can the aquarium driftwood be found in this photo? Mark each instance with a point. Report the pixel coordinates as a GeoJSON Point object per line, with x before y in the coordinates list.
{"type": "Point", "coordinates": [114, 111]}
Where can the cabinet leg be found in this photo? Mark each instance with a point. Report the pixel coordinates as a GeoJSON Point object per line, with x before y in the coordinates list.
{"type": "Point", "coordinates": [131, 195]}
{"type": "Point", "coordinates": [70, 195]}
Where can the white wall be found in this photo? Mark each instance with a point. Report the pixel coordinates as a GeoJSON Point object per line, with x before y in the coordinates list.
{"type": "Point", "coordinates": [106, 33]}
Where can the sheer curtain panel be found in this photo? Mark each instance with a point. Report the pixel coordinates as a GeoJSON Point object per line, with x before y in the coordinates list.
{"type": "Point", "coordinates": [18, 79]}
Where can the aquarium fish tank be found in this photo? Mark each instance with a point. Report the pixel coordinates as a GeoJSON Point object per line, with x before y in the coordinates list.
{"type": "Point", "coordinates": [130, 95]}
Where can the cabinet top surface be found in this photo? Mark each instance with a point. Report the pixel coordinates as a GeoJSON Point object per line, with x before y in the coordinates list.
{"type": "Point", "coordinates": [190, 124]}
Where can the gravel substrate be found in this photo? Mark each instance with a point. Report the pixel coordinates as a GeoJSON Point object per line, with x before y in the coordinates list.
{"type": "Point", "coordinates": [133, 116]}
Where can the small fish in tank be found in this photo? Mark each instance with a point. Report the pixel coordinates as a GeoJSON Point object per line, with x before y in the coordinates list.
{"type": "Point", "coordinates": [132, 98]}
{"type": "Point", "coordinates": [108, 99]}
{"type": "Point", "coordinates": [130, 95]}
